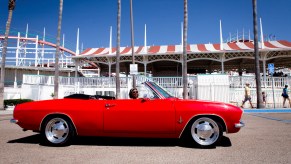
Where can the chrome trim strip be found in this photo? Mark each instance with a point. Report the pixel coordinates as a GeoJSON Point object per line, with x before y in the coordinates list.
{"type": "Point", "coordinates": [14, 121]}
{"type": "Point", "coordinates": [240, 124]}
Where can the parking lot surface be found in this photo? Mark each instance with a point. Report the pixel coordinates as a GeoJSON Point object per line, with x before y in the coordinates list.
{"type": "Point", "coordinates": [266, 138]}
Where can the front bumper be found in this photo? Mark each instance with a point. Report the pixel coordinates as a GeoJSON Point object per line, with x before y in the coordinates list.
{"type": "Point", "coordinates": [240, 124]}
{"type": "Point", "coordinates": [14, 121]}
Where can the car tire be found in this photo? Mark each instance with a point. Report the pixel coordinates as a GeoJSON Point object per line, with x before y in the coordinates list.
{"type": "Point", "coordinates": [57, 131]}
{"type": "Point", "coordinates": [205, 132]}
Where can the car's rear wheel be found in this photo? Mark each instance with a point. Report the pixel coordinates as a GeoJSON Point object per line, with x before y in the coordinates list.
{"type": "Point", "coordinates": [206, 132]}
{"type": "Point", "coordinates": [57, 131]}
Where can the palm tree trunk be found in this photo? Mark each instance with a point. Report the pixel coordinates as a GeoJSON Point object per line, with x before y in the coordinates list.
{"type": "Point", "coordinates": [118, 50]}
{"type": "Point", "coordinates": [11, 6]}
{"type": "Point", "coordinates": [132, 43]}
{"type": "Point", "coordinates": [57, 72]}
{"type": "Point", "coordinates": [257, 57]}
{"type": "Point", "coordinates": [185, 30]}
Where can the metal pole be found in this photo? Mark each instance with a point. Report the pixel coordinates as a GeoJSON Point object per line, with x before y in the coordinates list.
{"type": "Point", "coordinates": [273, 91]}
{"type": "Point", "coordinates": [222, 65]}
{"type": "Point", "coordinates": [264, 72]}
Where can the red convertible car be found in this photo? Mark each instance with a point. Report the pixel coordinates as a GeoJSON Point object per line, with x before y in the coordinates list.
{"type": "Point", "coordinates": [157, 115]}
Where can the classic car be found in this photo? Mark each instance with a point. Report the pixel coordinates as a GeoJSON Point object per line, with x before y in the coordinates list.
{"type": "Point", "coordinates": [157, 114]}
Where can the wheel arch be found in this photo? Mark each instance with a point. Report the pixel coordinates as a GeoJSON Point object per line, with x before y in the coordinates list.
{"type": "Point", "coordinates": [61, 115]}
{"type": "Point", "coordinates": [212, 116]}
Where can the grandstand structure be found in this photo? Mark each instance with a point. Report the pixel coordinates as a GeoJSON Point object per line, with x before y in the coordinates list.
{"type": "Point", "coordinates": [34, 54]}
{"type": "Point", "coordinates": [235, 54]}
{"type": "Point", "coordinates": [201, 58]}
{"type": "Point", "coordinates": [25, 49]}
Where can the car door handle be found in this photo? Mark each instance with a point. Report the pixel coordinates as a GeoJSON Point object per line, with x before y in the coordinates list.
{"type": "Point", "coordinates": [109, 105]}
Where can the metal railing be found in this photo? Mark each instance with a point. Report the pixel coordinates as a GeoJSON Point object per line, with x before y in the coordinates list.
{"type": "Point", "coordinates": [166, 82]}
{"type": "Point", "coordinates": [81, 81]}
{"type": "Point", "coordinates": [240, 81]}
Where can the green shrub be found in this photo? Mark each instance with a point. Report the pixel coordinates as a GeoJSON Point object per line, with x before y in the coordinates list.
{"type": "Point", "coordinates": [15, 101]}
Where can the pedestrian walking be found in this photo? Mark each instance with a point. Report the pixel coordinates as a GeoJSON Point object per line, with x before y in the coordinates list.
{"type": "Point", "coordinates": [247, 96]}
{"type": "Point", "coordinates": [264, 98]}
{"type": "Point", "coordinates": [285, 96]}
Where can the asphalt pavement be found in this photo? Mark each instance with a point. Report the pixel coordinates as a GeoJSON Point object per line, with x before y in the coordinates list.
{"type": "Point", "coordinates": [266, 139]}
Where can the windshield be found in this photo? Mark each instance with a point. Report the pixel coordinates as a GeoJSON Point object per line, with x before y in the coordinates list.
{"type": "Point", "coordinates": [161, 91]}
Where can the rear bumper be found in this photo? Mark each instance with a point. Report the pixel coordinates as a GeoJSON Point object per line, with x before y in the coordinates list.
{"type": "Point", "coordinates": [240, 124]}
{"type": "Point", "coordinates": [14, 121]}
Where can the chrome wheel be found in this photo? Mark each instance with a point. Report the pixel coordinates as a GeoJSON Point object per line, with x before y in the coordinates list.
{"type": "Point", "coordinates": [57, 131]}
{"type": "Point", "coordinates": [205, 131]}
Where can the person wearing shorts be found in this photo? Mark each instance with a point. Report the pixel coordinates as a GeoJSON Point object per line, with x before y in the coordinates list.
{"type": "Point", "coordinates": [285, 96]}
{"type": "Point", "coordinates": [264, 98]}
{"type": "Point", "coordinates": [247, 96]}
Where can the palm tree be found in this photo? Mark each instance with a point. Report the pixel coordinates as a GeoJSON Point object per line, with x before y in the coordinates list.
{"type": "Point", "coordinates": [11, 6]}
{"type": "Point", "coordinates": [118, 50]}
{"type": "Point", "coordinates": [185, 29]}
{"type": "Point", "coordinates": [57, 72]}
{"type": "Point", "coordinates": [132, 43]}
{"type": "Point", "coordinates": [257, 57]}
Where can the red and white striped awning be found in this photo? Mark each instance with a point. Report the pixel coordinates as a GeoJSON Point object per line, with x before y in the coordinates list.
{"type": "Point", "coordinates": [192, 48]}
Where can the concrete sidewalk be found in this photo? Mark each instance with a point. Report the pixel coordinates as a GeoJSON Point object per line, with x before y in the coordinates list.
{"type": "Point", "coordinates": [268, 110]}
{"type": "Point", "coordinates": [7, 111]}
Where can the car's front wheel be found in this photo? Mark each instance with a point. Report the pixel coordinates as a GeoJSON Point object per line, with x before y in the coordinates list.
{"type": "Point", "coordinates": [57, 131]}
{"type": "Point", "coordinates": [206, 132]}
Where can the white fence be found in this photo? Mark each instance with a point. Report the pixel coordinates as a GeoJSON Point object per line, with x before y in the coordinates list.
{"type": "Point", "coordinates": [167, 82]}
{"type": "Point", "coordinates": [40, 87]}
{"type": "Point", "coordinates": [239, 81]}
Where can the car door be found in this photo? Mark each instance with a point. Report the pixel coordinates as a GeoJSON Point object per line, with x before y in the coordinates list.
{"type": "Point", "coordinates": [139, 116]}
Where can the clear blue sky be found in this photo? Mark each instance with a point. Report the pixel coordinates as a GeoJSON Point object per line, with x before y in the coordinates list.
{"type": "Point", "coordinates": [162, 17]}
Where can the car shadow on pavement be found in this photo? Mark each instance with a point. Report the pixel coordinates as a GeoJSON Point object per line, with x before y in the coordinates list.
{"type": "Point", "coordinates": [113, 141]}
{"type": "Point", "coordinates": [33, 139]}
